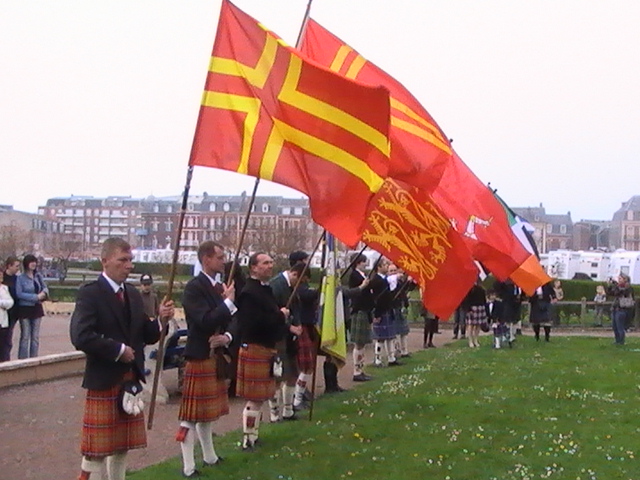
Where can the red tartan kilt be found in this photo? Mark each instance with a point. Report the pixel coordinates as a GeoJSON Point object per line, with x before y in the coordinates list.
{"type": "Point", "coordinates": [307, 344]}
{"type": "Point", "coordinates": [204, 397]}
{"type": "Point", "coordinates": [254, 381]}
{"type": "Point", "coordinates": [106, 429]}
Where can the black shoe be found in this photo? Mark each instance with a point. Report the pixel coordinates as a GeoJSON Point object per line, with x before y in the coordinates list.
{"type": "Point", "coordinates": [306, 396]}
{"type": "Point", "coordinates": [395, 363]}
{"type": "Point", "coordinates": [455, 337]}
{"type": "Point", "coordinates": [290, 418]}
{"type": "Point", "coordinates": [362, 378]}
{"type": "Point", "coordinates": [194, 474]}
{"type": "Point", "coordinates": [431, 345]}
{"type": "Point", "coordinates": [214, 464]}
{"type": "Point", "coordinates": [303, 406]}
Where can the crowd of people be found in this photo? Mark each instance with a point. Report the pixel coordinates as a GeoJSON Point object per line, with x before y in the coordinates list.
{"type": "Point", "coordinates": [21, 303]}
{"type": "Point", "coordinates": [258, 332]}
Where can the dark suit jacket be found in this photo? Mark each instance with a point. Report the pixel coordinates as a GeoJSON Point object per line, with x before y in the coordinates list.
{"type": "Point", "coordinates": [495, 314]}
{"type": "Point", "coordinates": [361, 300]}
{"type": "Point", "coordinates": [99, 326]}
{"type": "Point", "coordinates": [206, 315]}
{"type": "Point", "coordinates": [259, 317]}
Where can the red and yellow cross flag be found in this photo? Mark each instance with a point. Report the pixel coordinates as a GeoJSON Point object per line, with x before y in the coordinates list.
{"type": "Point", "coordinates": [422, 156]}
{"type": "Point", "coordinates": [268, 112]}
{"type": "Point", "coordinates": [405, 225]}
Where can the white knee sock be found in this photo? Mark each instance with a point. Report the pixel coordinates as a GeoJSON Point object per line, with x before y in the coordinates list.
{"type": "Point", "coordinates": [205, 435]}
{"type": "Point", "coordinates": [404, 345]}
{"type": "Point", "coordinates": [377, 352]}
{"type": "Point", "coordinates": [92, 469]}
{"type": "Point", "coordinates": [117, 466]}
{"type": "Point", "coordinates": [397, 346]}
{"type": "Point", "coordinates": [187, 446]}
{"type": "Point", "coordinates": [390, 350]}
{"type": "Point", "coordinates": [250, 425]}
{"type": "Point", "coordinates": [301, 386]}
{"type": "Point", "coordinates": [275, 406]}
{"type": "Point", "coordinates": [287, 400]}
{"type": "Point", "coordinates": [358, 361]}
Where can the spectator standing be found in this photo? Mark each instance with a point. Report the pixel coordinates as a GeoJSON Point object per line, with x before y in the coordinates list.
{"type": "Point", "coordinates": [149, 297]}
{"type": "Point", "coordinates": [540, 315]}
{"type": "Point", "coordinates": [11, 269]}
{"type": "Point", "coordinates": [599, 299]}
{"type": "Point", "coordinates": [622, 307]}
{"type": "Point", "coordinates": [559, 293]}
{"type": "Point", "coordinates": [476, 302]}
{"type": "Point", "coordinates": [31, 292]}
{"type": "Point", "coordinates": [6, 303]}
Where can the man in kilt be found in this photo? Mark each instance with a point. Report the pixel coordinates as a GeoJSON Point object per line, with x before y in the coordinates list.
{"type": "Point", "coordinates": [361, 315]}
{"type": "Point", "coordinates": [400, 285]}
{"type": "Point", "coordinates": [384, 331]}
{"type": "Point", "coordinates": [308, 300]}
{"type": "Point", "coordinates": [281, 405]}
{"type": "Point", "coordinates": [208, 307]}
{"type": "Point", "coordinates": [109, 324]}
{"type": "Point", "coordinates": [262, 323]}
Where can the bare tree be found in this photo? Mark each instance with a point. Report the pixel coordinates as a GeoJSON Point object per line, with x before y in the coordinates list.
{"type": "Point", "coordinates": [14, 241]}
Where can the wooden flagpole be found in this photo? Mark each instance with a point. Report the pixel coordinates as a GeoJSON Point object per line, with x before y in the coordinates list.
{"type": "Point", "coordinates": [315, 351]}
{"type": "Point", "coordinates": [353, 262]}
{"type": "Point", "coordinates": [172, 276]}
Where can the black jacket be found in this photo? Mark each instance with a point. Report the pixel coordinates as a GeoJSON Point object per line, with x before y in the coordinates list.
{"type": "Point", "coordinates": [495, 312]}
{"type": "Point", "coordinates": [382, 295]}
{"type": "Point", "coordinates": [363, 300]}
{"type": "Point", "coordinates": [99, 326]}
{"type": "Point", "coordinates": [206, 315]}
{"type": "Point", "coordinates": [260, 320]}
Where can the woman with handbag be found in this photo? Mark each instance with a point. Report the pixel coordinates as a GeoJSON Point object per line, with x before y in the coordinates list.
{"type": "Point", "coordinates": [31, 292]}
{"type": "Point", "coordinates": [622, 307]}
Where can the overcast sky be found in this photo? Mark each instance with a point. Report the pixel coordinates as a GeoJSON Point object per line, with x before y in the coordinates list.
{"type": "Point", "coordinates": [541, 98]}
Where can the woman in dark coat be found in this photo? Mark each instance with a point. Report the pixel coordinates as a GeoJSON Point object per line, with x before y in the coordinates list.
{"type": "Point", "coordinates": [540, 315]}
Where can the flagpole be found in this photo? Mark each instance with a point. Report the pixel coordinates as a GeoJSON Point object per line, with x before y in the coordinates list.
{"type": "Point", "coordinates": [244, 231]}
{"type": "Point", "coordinates": [353, 262]}
{"type": "Point", "coordinates": [305, 269]}
{"type": "Point", "coordinates": [307, 13]}
{"type": "Point", "coordinates": [319, 343]}
{"type": "Point", "coordinates": [172, 276]}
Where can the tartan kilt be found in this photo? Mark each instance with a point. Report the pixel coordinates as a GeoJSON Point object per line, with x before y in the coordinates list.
{"type": "Point", "coordinates": [254, 381]}
{"type": "Point", "coordinates": [401, 324]}
{"type": "Point", "coordinates": [204, 397]}
{"type": "Point", "coordinates": [476, 315]}
{"type": "Point", "coordinates": [106, 429]}
{"type": "Point", "coordinates": [361, 328]}
{"type": "Point", "coordinates": [384, 330]}
{"type": "Point", "coordinates": [307, 344]}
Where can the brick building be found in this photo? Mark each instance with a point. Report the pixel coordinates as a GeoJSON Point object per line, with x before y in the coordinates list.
{"type": "Point", "coordinates": [625, 226]}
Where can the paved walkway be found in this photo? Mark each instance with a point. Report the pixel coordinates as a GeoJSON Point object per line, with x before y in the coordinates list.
{"type": "Point", "coordinates": [41, 422]}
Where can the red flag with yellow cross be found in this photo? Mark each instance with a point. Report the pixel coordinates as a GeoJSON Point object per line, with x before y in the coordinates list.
{"type": "Point", "coordinates": [422, 157]}
{"type": "Point", "coordinates": [269, 113]}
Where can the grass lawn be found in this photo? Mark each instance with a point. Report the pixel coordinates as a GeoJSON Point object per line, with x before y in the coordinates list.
{"type": "Point", "coordinates": [569, 409]}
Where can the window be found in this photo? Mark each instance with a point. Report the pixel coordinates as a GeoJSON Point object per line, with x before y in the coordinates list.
{"type": "Point", "coordinates": [286, 211]}
{"type": "Point", "coordinates": [549, 228]}
{"type": "Point", "coordinates": [169, 209]}
{"type": "Point", "coordinates": [594, 264]}
{"type": "Point", "coordinates": [190, 207]}
{"type": "Point", "coordinates": [265, 208]}
{"type": "Point", "coordinates": [168, 226]}
{"type": "Point", "coordinates": [154, 226]}
{"type": "Point", "coordinates": [156, 208]}
{"type": "Point", "coordinates": [212, 207]}
{"type": "Point", "coordinates": [298, 211]}
{"type": "Point", "coordinates": [226, 207]}
{"type": "Point", "coordinates": [563, 229]}
{"type": "Point", "coordinates": [629, 214]}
